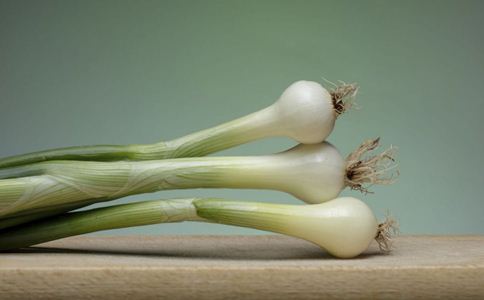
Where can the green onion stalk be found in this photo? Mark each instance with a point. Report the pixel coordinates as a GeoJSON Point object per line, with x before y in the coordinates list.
{"type": "Point", "coordinates": [305, 112]}
{"type": "Point", "coordinates": [344, 226]}
{"type": "Point", "coordinates": [313, 173]}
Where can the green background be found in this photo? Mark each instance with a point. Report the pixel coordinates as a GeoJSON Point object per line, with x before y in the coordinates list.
{"type": "Point", "coordinates": [90, 72]}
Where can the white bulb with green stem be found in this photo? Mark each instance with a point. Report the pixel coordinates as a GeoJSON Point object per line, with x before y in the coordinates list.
{"type": "Point", "coordinates": [305, 112]}
{"type": "Point", "coordinates": [344, 226]}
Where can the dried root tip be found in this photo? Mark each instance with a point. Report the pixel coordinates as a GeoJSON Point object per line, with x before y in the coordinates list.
{"type": "Point", "coordinates": [385, 233]}
{"type": "Point", "coordinates": [343, 95]}
{"type": "Point", "coordinates": [363, 170]}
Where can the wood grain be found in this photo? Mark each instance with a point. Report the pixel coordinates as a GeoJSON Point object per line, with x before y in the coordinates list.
{"type": "Point", "coordinates": [241, 267]}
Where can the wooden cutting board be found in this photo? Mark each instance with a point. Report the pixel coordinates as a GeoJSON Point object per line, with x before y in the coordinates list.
{"type": "Point", "coordinates": [238, 267]}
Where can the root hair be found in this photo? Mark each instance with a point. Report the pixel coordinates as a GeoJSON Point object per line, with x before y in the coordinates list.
{"type": "Point", "coordinates": [343, 95]}
{"type": "Point", "coordinates": [385, 233]}
{"type": "Point", "coordinates": [364, 169]}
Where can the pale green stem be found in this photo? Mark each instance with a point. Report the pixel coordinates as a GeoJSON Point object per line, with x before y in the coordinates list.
{"type": "Point", "coordinates": [257, 215]}
{"type": "Point", "coordinates": [248, 214]}
{"type": "Point", "coordinates": [66, 184]}
{"type": "Point", "coordinates": [31, 215]}
{"type": "Point", "coordinates": [118, 216]}
{"type": "Point", "coordinates": [243, 130]}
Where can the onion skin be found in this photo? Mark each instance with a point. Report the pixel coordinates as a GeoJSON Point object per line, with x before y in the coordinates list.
{"type": "Point", "coordinates": [305, 112]}
{"type": "Point", "coordinates": [344, 226]}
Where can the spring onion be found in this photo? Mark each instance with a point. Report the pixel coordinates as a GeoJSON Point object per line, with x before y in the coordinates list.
{"type": "Point", "coordinates": [305, 112]}
{"type": "Point", "coordinates": [313, 173]}
{"type": "Point", "coordinates": [344, 226]}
